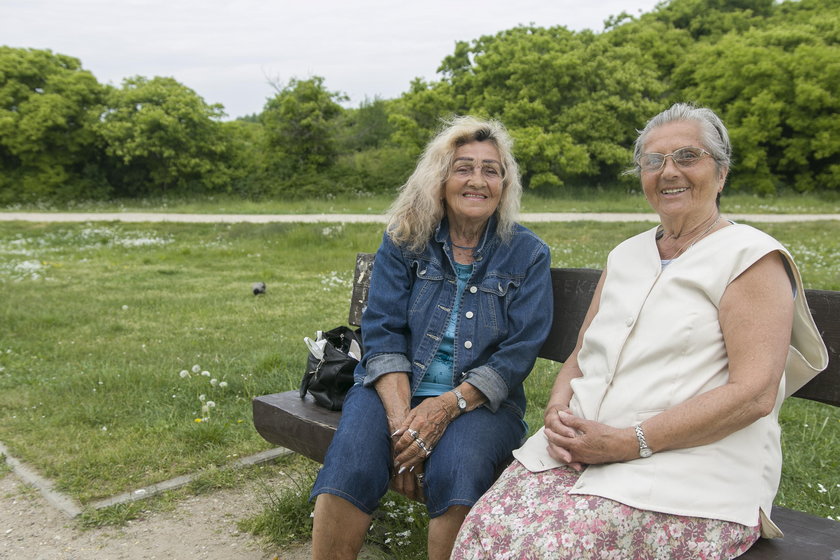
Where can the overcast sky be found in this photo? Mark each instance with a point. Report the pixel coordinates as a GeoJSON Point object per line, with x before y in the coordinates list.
{"type": "Point", "coordinates": [229, 51]}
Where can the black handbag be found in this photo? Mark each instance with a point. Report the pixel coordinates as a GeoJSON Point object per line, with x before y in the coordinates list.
{"type": "Point", "coordinates": [329, 377]}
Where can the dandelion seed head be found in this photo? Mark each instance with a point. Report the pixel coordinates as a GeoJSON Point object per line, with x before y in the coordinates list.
{"type": "Point", "coordinates": [223, 384]}
{"type": "Point", "coordinates": [184, 374]}
{"type": "Point", "coordinates": [205, 373]}
{"type": "Point", "coordinates": [196, 368]}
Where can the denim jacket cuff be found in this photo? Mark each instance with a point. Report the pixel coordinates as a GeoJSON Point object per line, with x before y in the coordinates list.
{"type": "Point", "coordinates": [490, 383]}
{"type": "Point", "coordinates": [380, 364]}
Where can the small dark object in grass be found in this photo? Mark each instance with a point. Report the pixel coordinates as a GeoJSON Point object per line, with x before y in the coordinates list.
{"type": "Point", "coordinates": [258, 288]}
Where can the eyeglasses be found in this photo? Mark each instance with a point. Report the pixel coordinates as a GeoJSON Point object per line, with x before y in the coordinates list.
{"type": "Point", "coordinates": [466, 169]}
{"type": "Point", "coordinates": [683, 157]}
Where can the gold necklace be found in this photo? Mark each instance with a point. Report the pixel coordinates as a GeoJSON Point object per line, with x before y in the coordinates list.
{"type": "Point", "coordinates": [689, 245]}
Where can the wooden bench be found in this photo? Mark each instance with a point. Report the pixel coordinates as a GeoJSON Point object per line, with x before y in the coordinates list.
{"type": "Point", "coordinates": [298, 424]}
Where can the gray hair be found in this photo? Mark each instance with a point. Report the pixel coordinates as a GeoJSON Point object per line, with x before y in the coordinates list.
{"type": "Point", "coordinates": [713, 132]}
{"type": "Point", "coordinates": [419, 207]}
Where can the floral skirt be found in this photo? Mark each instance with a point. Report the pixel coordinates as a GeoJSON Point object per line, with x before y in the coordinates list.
{"type": "Point", "coordinates": [519, 519]}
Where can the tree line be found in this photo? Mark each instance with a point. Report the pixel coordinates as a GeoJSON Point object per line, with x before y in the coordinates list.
{"type": "Point", "coordinates": [572, 101]}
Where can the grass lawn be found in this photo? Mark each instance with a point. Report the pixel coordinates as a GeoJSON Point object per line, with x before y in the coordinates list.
{"type": "Point", "coordinates": [578, 200]}
{"type": "Point", "coordinates": [102, 325]}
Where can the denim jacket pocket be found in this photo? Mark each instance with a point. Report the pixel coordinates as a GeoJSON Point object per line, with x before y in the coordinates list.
{"type": "Point", "coordinates": [428, 276]}
{"type": "Point", "coordinates": [496, 293]}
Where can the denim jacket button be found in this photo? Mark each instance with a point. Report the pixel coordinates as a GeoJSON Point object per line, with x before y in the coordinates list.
{"type": "Point", "coordinates": [469, 314]}
{"type": "Point", "coordinates": [468, 345]}
{"type": "Point", "coordinates": [473, 289]}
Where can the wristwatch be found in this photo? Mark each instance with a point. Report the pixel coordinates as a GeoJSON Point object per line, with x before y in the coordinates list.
{"type": "Point", "coordinates": [462, 402]}
{"type": "Point", "coordinates": [644, 450]}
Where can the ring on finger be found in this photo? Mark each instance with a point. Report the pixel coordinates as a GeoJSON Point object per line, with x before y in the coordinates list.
{"type": "Point", "coordinates": [413, 433]}
{"type": "Point", "coordinates": [420, 478]}
{"type": "Point", "coordinates": [422, 445]}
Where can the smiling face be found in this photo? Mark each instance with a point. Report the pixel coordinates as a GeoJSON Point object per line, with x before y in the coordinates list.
{"type": "Point", "coordinates": [474, 186]}
{"type": "Point", "coordinates": [681, 193]}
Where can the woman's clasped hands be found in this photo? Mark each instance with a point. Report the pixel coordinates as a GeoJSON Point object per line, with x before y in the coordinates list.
{"type": "Point", "coordinates": [577, 442]}
{"type": "Point", "coordinates": [414, 441]}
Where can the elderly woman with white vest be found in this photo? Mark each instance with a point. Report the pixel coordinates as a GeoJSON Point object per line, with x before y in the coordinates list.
{"type": "Point", "coordinates": [661, 437]}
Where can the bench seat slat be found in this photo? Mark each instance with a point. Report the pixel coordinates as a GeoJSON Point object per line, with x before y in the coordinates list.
{"type": "Point", "coordinates": [806, 536]}
{"type": "Point", "coordinates": [286, 420]}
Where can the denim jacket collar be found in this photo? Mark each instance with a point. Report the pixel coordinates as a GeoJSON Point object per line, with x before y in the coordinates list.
{"type": "Point", "coordinates": [488, 239]}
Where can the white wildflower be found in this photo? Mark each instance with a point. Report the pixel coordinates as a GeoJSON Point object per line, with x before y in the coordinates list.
{"type": "Point", "coordinates": [196, 368]}
{"type": "Point", "coordinates": [223, 384]}
{"type": "Point", "coordinates": [184, 374]}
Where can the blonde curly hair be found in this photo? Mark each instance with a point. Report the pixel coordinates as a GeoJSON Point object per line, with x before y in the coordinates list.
{"type": "Point", "coordinates": [420, 207]}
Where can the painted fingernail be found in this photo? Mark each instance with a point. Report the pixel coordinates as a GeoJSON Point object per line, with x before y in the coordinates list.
{"type": "Point", "coordinates": [395, 433]}
{"type": "Point", "coordinates": [402, 470]}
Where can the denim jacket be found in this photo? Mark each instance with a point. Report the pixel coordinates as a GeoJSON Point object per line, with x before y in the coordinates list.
{"type": "Point", "coordinates": [504, 318]}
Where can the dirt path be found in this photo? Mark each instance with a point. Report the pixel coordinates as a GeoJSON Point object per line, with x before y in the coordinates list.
{"type": "Point", "coordinates": [200, 527]}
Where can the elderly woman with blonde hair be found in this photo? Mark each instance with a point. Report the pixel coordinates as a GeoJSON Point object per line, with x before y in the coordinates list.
{"type": "Point", "coordinates": [459, 306]}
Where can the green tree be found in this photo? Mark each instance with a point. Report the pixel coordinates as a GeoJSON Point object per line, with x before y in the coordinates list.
{"type": "Point", "coordinates": [571, 99]}
{"type": "Point", "coordinates": [713, 18]}
{"type": "Point", "coordinates": [48, 147]}
{"type": "Point", "coordinates": [776, 88]}
{"type": "Point", "coordinates": [300, 129]}
{"type": "Point", "coordinates": [369, 161]}
{"type": "Point", "coordinates": [420, 112]}
{"type": "Point", "coordinates": [364, 127]}
{"type": "Point", "coordinates": [164, 139]}
{"type": "Point", "coordinates": [249, 161]}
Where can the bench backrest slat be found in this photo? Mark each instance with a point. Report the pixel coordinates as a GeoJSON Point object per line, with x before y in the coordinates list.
{"type": "Point", "coordinates": [573, 289]}
{"type": "Point", "coordinates": [825, 307]}
{"type": "Point", "coordinates": [361, 285]}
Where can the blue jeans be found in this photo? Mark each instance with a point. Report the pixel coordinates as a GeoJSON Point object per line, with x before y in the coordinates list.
{"type": "Point", "coordinates": [359, 462]}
